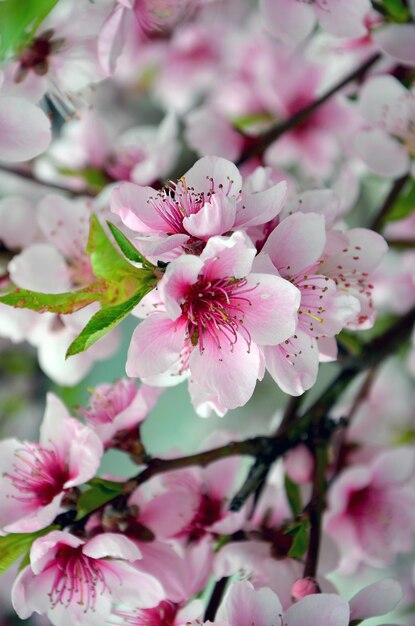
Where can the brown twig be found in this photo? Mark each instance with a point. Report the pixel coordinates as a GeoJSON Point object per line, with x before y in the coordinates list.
{"type": "Point", "coordinates": [378, 221]}
{"type": "Point", "coordinates": [280, 129]}
{"type": "Point", "coordinates": [28, 175]}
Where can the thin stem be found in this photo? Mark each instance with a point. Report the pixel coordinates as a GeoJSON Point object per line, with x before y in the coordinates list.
{"type": "Point", "coordinates": [26, 174]}
{"type": "Point", "coordinates": [215, 599]}
{"type": "Point", "coordinates": [401, 244]}
{"type": "Point", "coordinates": [394, 192]}
{"type": "Point", "coordinates": [315, 509]}
{"type": "Point", "coordinates": [298, 118]}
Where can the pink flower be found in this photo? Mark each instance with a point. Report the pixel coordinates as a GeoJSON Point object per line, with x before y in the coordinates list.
{"type": "Point", "coordinates": [120, 406]}
{"type": "Point", "coordinates": [208, 200]}
{"type": "Point", "coordinates": [372, 509]}
{"type": "Point", "coordinates": [36, 476]}
{"type": "Point", "coordinates": [69, 578]}
{"type": "Point", "coordinates": [387, 146]}
{"type": "Point", "coordinates": [216, 316]}
{"type": "Point", "coordinates": [296, 248]}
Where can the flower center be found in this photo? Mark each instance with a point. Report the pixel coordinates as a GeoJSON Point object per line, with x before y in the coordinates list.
{"type": "Point", "coordinates": [35, 57]}
{"type": "Point", "coordinates": [162, 615]}
{"type": "Point", "coordinates": [108, 401]}
{"type": "Point", "coordinates": [38, 474]}
{"type": "Point", "coordinates": [177, 201]}
{"type": "Point", "coordinates": [215, 308]}
{"type": "Point", "coordinates": [77, 577]}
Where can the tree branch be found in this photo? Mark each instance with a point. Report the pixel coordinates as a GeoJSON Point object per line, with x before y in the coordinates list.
{"type": "Point", "coordinates": [394, 192]}
{"type": "Point", "coordinates": [27, 175]}
{"type": "Point", "coordinates": [280, 129]}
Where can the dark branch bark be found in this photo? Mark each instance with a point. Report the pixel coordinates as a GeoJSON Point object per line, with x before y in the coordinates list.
{"type": "Point", "coordinates": [379, 219]}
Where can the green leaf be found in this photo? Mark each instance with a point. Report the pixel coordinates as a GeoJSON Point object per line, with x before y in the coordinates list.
{"type": "Point", "coordinates": [404, 205]}
{"type": "Point", "coordinates": [61, 303]}
{"type": "Point", "coordinates": [293, 495]}
{"type": "Point", "coordinates": [105, 320]}
{"type": "Point", "coordinates": [126, 246]}
{"type": "Point", "coordinates": [396, 10]}
{"type": "Point", "coordinates": [102, 492]}
{"type": "Point", "coordinates": [299, 531]}
{"type": "Point", "coordinates": [19, 19]}
{"type": "Point", "coordinates": [15, 545]}
{"type": "Point", "coordinates": [106, 261]}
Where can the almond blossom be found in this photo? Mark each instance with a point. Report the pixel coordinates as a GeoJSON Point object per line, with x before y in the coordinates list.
{"type": "Point", "coordinates": [37, 476]}
{"type": "Point", "coordinates": [208, 200]}
{"type": "Point", "coordinates": [71, 578]}
{"type": "Point", "coordinates": [214, 318]}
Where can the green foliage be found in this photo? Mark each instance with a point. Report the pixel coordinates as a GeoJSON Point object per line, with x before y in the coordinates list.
{"type": "Point", "coordinates": [103, 321]}
{"type": "Point", "coordinates": [404, 205]}
{"type": "Point", "coordinates": [105, 260]}
{"type": "Point", "coordinates": [13, 546]}
{"type": "Point", "coordinates": [394, 10]}
{"type": "Point", "coordinates": [100, 492]}
{"type": "Point", "coordinates": [126, 247]}
{"type": "Point", "coordinates": [19, 20]}
{"type": "Point", "coordinates": [293, 496]}
{"type": "Point", "coordinates": [61, 303]}
{"type": "Point", "coordinates": [299, 532]}
{"type": "Point", "coordinates": [93, 177]}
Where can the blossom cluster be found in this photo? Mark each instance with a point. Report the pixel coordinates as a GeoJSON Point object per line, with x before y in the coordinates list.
{"type": "Point", "coordinates": [236, 178]}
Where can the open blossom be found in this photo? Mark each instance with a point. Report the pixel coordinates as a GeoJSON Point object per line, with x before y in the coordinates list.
{"type": "Point", "coordinates": [387, 146]}
{"type": "Point", "coordinates": [120, 406]}
{"type": "Point", "coordinates": [372, 509]}
{"type": "Point", "coordinates": [296, 248]}
{"type": "Point", "coordinates": [69, 578]}
{"type": "Point", "coordinates": [213, 319]}
{"type": "Point", "coordinates": [208, 200]}
{"type": "Point", "coordinates": [36, 476]}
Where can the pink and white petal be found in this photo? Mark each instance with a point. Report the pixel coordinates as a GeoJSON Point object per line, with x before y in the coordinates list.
{"type": "Point", "coordinates": [52, 427]}
{"type": "Point", "coordinates": [65, 223]}
{"type": "Point", "coordinates": [209, 133]}
{"type": "Point", "coordinates": [40, 267]}
{"type": "Point", "coordinates": [261, 207]}
{"type": "Point", "coordinates": [181, 505]}
{"type": "Point", "coordinates": [161, 247]}
{"type": "Point", "coordinates": [134, 587]}
{"type": "Point", "coordinates": [132, 203]}
{"type": "Point", "coordinates": [31, 519]}
{"type": "Point", "coordinates": [319, 608]}
{"type": "Point", "coordinates": [226, 257]}
{"type": "Point", "coordinates": [44, 548]}
{"type": "Point", "coordinates": [394, 466]}
{"type": "Point", "coordinates": [289, 20]}
{"type": "Point", "coordinates": [155, 346]}
{"type": "Point", "coordinates": [327, 349]}
{"type": "Point", "coordinates": [230, 371]}
{"type": "Point", "coordinates": [293, 364]}
{"type": "Point", "coordinates": [245, 605]}
{"type": "Point", "coordinates": [352, 480]}
{"type": "Point", "coordinates": [30, 592]}
{"type": "Point", "coordinates": [375, 600]}
{"type": "Point", "coordinates": [297, 242]}
{"type": "Point", "coordinates": [384, 155]}
{"type": "Point", "coordinates": [323, 201]}
{"type": "Point", "coordinates": [212, 168]}
{"type": "Point", "coordinates": [397, 40]}
{"type": "Point", "coordinates": [344, 18]}
{"type": "Point", "coordinates": [84, 454]}
{"type": "Point", "coordinates": [24, 130]}
{"type": "Point", "coordinates": [113, 545]}
{"type": "Point", "coordinates": [111, 38]}
{"type": "Point", "coordinates": [271, 316]}
{"type": "Point", "coordinates": [205, 402]}
{"type": "Point", "coordinates": [18, 223]}
{"type": "Point", "coordinates": [221, 477]}
{"type": "Point", "coordinates": [180, 275]}
{"type": "Point", "coordinates": [216, 217]}
{"type": "Point", "coordinates": [379, 95]}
